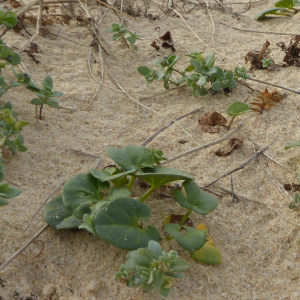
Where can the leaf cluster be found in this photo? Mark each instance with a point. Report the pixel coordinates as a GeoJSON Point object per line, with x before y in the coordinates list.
{"type": "Point", "coordinates": [8, 18]}
{"type": "Point", "coordinates": [281, 8]}
{"type": "Point", "coordinates": [152, 268]}
{"type": "Point", "coordinates": [204, 72]}
{"type": "Point", "coordinates": [123, 34]}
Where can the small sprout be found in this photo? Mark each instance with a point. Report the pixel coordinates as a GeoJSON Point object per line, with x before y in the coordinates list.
{"type": "Point", "coordinates": [235, 109]}
{"type": "Point", "coordinates": [267, 62]}
{"type": "Point", "coordinates": [124, 35]}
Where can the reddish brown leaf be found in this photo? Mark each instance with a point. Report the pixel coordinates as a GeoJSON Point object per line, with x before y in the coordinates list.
{"type": "Point", "coordinates": [235, 143]}
{"type": "Point", "coordinates": [292, 51]}
{"type": "Point", "coordinates": [208, 122]}
{"type": "Point", "coordinates": [267, 99]}
{"type": "Point", "coordinates": [292, 187]}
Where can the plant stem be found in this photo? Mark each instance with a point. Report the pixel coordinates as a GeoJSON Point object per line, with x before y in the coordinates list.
{"type": "Point", "coordinates": [178, 72]}
{"type": "Point", "coordinates": [130, 183]}
{"type": "Point", "coordinates": [124, 40]}
{"type": "Point", "coordinates": [185, 217]}
{"type": "Point", "coordinates": [147, 194]}
{"type": "Point", "coordinates": [230, 123]}
{"type": "Point", "coordinates": [40, 115]}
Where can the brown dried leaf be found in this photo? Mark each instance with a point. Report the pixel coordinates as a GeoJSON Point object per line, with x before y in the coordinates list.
{"type": "Point", "coordinates": [235, 143]}
{"type": "Point", "coordinates": [15, 3]}
{"type": "Point", "coordinates": [292, 187]}
{"type": "Point", "coordinates": [254, 57]}
{"type": "Point", "coordinates": [207, 122]}
{"type": "Point", "coordinates": [154, 44]}
{"type": "Point", "coordinates": [166, 37]}
{"type": "Point", "coordinates": [267, 99]}
{"type": "Point", "coordinates": [292, 51]}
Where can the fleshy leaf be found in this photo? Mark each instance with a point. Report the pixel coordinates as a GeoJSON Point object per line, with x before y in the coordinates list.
{"type": "Point", "coordinates": [237, 108]}
{"type": "Point", "coordinates": [56, 213]}
{"type": "Point", "coordinates": [158, 176]}
{"type": "Point", "coordinates": [104, 175]}
{"type": "Point", "coordinates": [118, 224]}
{"type": "Point", "coordinates": [131, 157]}
{"type": "Point", "coordinates": [82, 188]}
{"type": "Point", "coordinates": [193, 240]}
{"type": "Point", "coordinates": [201, 202]}
{"type": "Point", "coordinates": [271, 11]}
{"type": "Point", "coordinates": [208, 254]}
{"type": "Point", "coordinates": [288, 146]}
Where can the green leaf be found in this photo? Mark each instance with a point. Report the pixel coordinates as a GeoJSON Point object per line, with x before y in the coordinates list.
{"type": "Point", "coordinates": [3, 202]}
{"type": "Point", "coordinates": [196, 91]}
{"type": "Point", "coordinates": [10, 20]}
{"type": "Point", "coordinates": [196, 63]}
{"type": "Point", "coordinates": [52, 104]}
{"type": "Point", "coordinates": [210, 59]}
{"type": "Point", "coordinates": [56, 94]}
{"type": "Point", "coordinates": [287, 3]}
{"type": "Point", "coordinates": [48, 83]}
{"type": "Point", "coordinates": [217, 86]}
{"type": "Point", "coordinates": [158, 176]}
{"type": "Point", "coordinates": [220, 73]}
{"type": "Point", "coordinates": [271, 11]}
{"type": "Point", "coordinates": [36, 101]}
{"type": "Point", "coordinates": [131, 157]}
{"type": "Point", "coordinates": [208, 254]}
{"type": "Point", "coordinates": [144, 70]}
{"type": "Point", "coordinates": [193, 240]}
{"type": "Point", "coordinates": [11, 192]}
{"type": "Point", "coordinates": [88, 224]}
{"type": "Point", "coordinates": [15, 58]}
{"type": "Point", "coordinates": [82, 188]}
{"type": "Point", "coordinates": [201, 202]}
{"type": "Point", "coordinates": [229, 75]}
{"type": "Point", "coordinates": [118, 224]}
{"type": "Point", "coordinates": [155, 247]}
{"type": "Point", "coordinates": [190, 68]}
{"type": "Point", "coordinates": [179, 265]}
{"type": "Point", "coordinates": [237, 108]}
{"type": "Point", "coordinates": [288, 146]}
{"type": "Point", "coordinates": [5, 51]}
{"type": "Point", "coordinates": [202, 81]}
{"type": "Point", "coordinates": [56, 213]}
{"type": "Point", "coordinates": [231, 84]}
{"type": "Point", "coordinates": [118, 178]}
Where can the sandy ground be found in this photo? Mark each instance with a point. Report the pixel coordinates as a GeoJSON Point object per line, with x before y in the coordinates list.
{"type": "Point", "coordinates": [261, 257]}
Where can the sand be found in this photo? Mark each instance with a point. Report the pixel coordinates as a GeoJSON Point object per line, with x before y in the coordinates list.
{"type": "Point", "coordinates": [258, 241]}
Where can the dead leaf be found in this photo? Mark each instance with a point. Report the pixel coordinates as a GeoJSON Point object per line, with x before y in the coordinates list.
{"type": "Point", "coordinates": [168, 41]}
{"type": "Point", "coordinates": [292, 187]}
{"type": "Point", "coordinates": [266, 99]}
{"type": "Point", "coordinates": [15, 3]}
{"type": "Point", "coordinates": [254, 57]}
{"type": "Point", "coordinates": [235, 143]}
{"type": "Point", "coordinates": [292, 51]}
{"type": "Point", "coordinates": [207, 122]}
{"type": "Point", "coordinates": [154, 44]}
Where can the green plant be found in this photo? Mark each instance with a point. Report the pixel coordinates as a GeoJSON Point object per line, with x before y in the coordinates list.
{"type": "Point", "coordinates": [8, 18]}
{"type": "Point", "coordinates": [152, 268]}
{"type": "Point", "coordinates": [204, 72]}
{"type": "Point", "coordinates": [295, 203]}
{"type": "Point", "coordinates": [235, 109]}
{"type": "Point", "coordinates": [45, 95]}
{"type": "Point", "coordinates": [124, 34]}
{"type": "Point", "coordinates": [281, 8]}
{"type": "Point", "coordinates": [89, 202]}
{"type": "Point", "coordinates": [267, 62]}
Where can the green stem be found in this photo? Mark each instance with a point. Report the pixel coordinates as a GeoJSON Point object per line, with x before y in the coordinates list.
{"type": "Point", "coordinates": [185, 217]}
{"type": "Point", "coordinates": [147, 194]}
{"type": "Point", "coordinates": [130, 183]}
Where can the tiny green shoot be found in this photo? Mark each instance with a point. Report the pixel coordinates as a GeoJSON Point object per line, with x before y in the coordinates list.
{"type": "Point", "coordinates": [235, 109]}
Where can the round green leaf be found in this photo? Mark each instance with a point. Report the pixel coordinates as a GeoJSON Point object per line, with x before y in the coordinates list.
{"type": "Point", "coordinates": [48, 83]}
{"type": "Point", "coordinates": [56, 214]}
{"type": "Point", "coordinates": [117, 224]}
{"type": "Point", "coordinates": [193, 239]}
{"type": "Point", "coordinates": [144, 70]}
{"type": "Point", "coordinates": [131, 157]}
{"type": "Point", "coordinates": [158, 176]}
{"type": "Point", "coordinates": [3, 202]}
{"type": "Point", "coordinates": [82, 188]}
{"type": "Point", "coordinates": [237, 108]}
{"type": "Point", "coordinates": [217, 86]}
{"type": "Point", "coordinates": [15, 58]}
{"type": "Point", "coordinates": [36, 101]}
{"type": "Point", "coordinates": [201, 202]}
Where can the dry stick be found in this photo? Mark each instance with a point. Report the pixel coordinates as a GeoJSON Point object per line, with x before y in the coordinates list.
{"type": "Point", "coordinates": [16, 254]}
{"type": "Point", "coordinates": [276, 85]}
{"type": "Point", "coordinates": [165, 127]}
{"type": "Point", "coordinates": [114, 9]}
{"type": "Point", "coordinates": [27, 7]}
{"type": "Point", "coordinates": [256, 31]}
{"type": "Point", "coordinates": [260, 203]}
{"type": "Point", "coordinates": [53, 192]}
{"type": "Point", "coordinates": [85, 153]}
{"type": "Point", "coordinates": [240, 167]}
{"type": "Point", "coordinates": [232, 189]}
{"type": "Point", "coordinates": [212, 21]}
{"type": "Point", "coordinates": [257, 147]}
{"type": "Point", "coordinates": [38, 24]}
{"type": "Point", "coordinates": [203, 146]}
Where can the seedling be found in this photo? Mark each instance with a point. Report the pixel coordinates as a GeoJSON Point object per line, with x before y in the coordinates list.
{"type": "Point", "coordinates": [288, 146]}
{"type": "Point", "coordinates": [281, 8]}
{"type": "Point", "coordinates": [118, 218]}
{"type": "Point", "coordinates": [124, 34]}
{"type": "Point", "coordinates": [295, 203]}
{"type": "Point", "coordinates": [235, 109]}
{"type": "Point", "coordinates": [152, 268]}
{"type": "Point", "coordinates": [45, 95]}
{"type": "Point", "coordinates": [267, 62]}
{"type": "Point", "coordinates": [204, 73]}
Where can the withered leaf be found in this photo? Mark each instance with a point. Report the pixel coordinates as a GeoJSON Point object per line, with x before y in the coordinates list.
{"type": "Point", "coordinates": [15, 3]}
{"type": "Point", "coordinates": [154, 44]}
{"type": "Point", "coordinates": [207, 122]}
{"type": "Point", "coordinates": [266, 99]}
{"type": "Point", "coordinates": [292, 51]}
{"type": "Point", "coordinates": [292, 187]}
{"type": "Point", "coordinates": [255, 57]}
{"type": "Point", "coordinates": [235, 143]}
{"type": "Point", "coordinates": [166, 37]}
{"type": "Point", "coordinates": [166, 45]}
